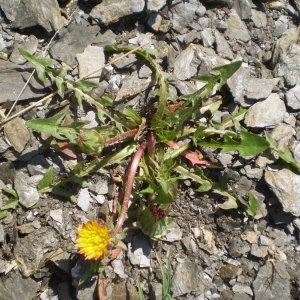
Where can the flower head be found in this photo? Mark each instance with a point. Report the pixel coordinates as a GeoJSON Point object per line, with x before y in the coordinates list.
{"type": "Point", "coordinates": [93, 240]}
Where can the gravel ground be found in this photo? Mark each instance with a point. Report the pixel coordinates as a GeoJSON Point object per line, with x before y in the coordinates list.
{"type": "Point", "coordinates": [216, 254]}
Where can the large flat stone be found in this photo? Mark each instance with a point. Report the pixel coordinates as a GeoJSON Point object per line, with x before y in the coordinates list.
{"type": "Point", "coordinates": [12, 80]}
{"type": "Point", "coordinates": [286, 186]}
{"type": "Point", "coordinates": [110, 11]}
{"type": "Point", "coordinates": [266, 113]}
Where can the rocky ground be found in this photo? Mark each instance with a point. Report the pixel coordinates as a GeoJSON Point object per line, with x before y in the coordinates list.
{"type": "Point", "coordinates": [217, 254]}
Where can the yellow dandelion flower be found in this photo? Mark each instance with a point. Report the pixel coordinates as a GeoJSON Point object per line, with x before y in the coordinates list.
{"type": "Point", "coordinates": [93, 240]}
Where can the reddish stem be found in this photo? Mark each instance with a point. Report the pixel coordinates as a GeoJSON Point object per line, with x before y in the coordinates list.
{"type": "Point", "coordinates": [121, 136]}
{"type": "Point", "coordinates": [129, 185]}
{"type": "Point", "coordinates": [151, 144]}
{"type": "Point", "coordinates": [101, 287]}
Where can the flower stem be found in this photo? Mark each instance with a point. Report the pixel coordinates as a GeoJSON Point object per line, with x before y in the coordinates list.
{"type": "Point", "coordinates": [129, 185]}
{"type": "Point", "coordinates": [121, 137]}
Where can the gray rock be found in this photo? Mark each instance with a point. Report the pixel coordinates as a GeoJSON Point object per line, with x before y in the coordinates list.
{"type": "Point", "coordinates": [139, 251]}
{"type": "Point", "coordinates": [223, 48]}
{"type": "Point", "coordinates": [91, 60]}
{"type": "Point", "coordinates": [125, 62]}
{"type": "Point", "coordinates": [187, 278]}
{"type": "Point", "coordinates": [107, 38]}
{"type": "Point", "coordinates": [267, 113]}
{"type": "Point", "coordinates": [84, 290]}
{"type": "Point", "coordinates": [26, 189]}
{"type": "Point", "coordinates": [29, 45]}
{"type": "Point", "coordinates": [285, 185]}
{"type": "Point", "coordinates": [272, 282]}
{"type": "Point", "coordinates": [236, 28]}
{"type": "Point", "coordinates": [100, 187]}
{"type": "Point", "coordinates": [283, 134]}
{"type": "Point", "coordinates": [38, 165]}
{"type": "Point", "coordinates": [90, 117]}
{"type": "Point", "coordinates": [12, 80]}
{"type": "Point", "coordinates": [118, 267]}
{"type": "Point", "coordinates": [109, 11]}
{"type": "Point", "coordinates": [207, 37]}
{"type": "Point", "coordinates": [259, 88]}
{"type": "Point", "coordinates": [144, 72]}
{"type": "Point", "coordinates": [7, 172]}
{"type": "Point", "coordinates": [65, 48]}
{"type": "Point", "coordinates": [296, 152]}
{"type": "Point", "coordinates": [156, 5]}
{"type": "Point", "coordinates": [243, 8]}
{"type": "Point", "coordinates": [236, 84]}
{"type": "Point", "coordinates": [84, 198]}
{"type": "Point", "coordinates": [15, 286]}
{"type": "Point", "coordinates": [259, 251]}
{"type": "Point", "coordinates": [17, 134]}
{"type": "Point", "coordinates": [132, 85]}
{"type": "Point", "coordinates": [205, 239]}
{"type": "Point", "coordinates": [293, 98]}
{"type": "Point", "coordinates": [45, 13]}
{"type": "Point", "coordinates": [281, 25]}
{"type": "Point", "coordinates": [2, 234]}
{"type": "Point", "coordinates": [241, 296]}
{"type": "Point", "coordinates": [238, 247]}
{"type": "Point", "coordinates": [57, 215]}
{"type": "Point", "coordinates": [3, 145]}
{"type": "Point", "coordinates": [252, 173]}
{"type": "Point", "coordinates": [174, 233]}
{"type": "Point", "coordinates": [155, 21]}
{"type": "Point", "coordinates": [259, 18]}
{"type": "Point", "coordinates": [221, 26]}
{"type": "Point", "coordinates": [30, 251]}
{"type": "Point", "coordinates": [196, 60]}
{"type": "Point", "coordinates": [183, 15]}
{"type": "Point", "coordinates": [189, 37]}
{"type": "Point", "coordinates": [296, 3]}
{"type": "Point", "coordinates": [239, 288]}
{"type": "Point", "coordinates": [225, 159]}
{"type": "Point", "coordinates": [286, 58]}
{"type": "Point", "coordinates": [124, 291]}
{"type": "Point", "coordinates": [279, 237]}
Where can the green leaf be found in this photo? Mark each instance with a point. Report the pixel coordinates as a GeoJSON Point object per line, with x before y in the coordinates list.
{"type": "Point", "coordinates": [227, 71]}
{"type": "Point", "coordinates": [84, 85]}
{"type": "Point", "coordinates": [230, 203]}
{"type": "Point", "coordinates": [11, 192]}
{"type": "Point", "coordinates": [90, 268]}
{"type": "Point", "coordinates": [46, 182]}
{"type": "Point", "coordinates": [59, 82]}
{"type": "Point", "coordinates": [197, 176]}
{"type": "Point", "coordinates": [38, 123]}
{"type": "Point", "coordinates": [253, 206]}
{"type": "Point", "coordinates": [287, 156]}
{"type": "Point", "coordinates": [39, 63]}
{"type": "Point", "coordinates": [51, 127]}
{"type": "Point", "coordinates": [10, 204]}
{"type": "Point", "coordinates": [210, 81]}
{"type": "Point", "coordinates": [150, 226]}
{"type": "Point", "coordinates": [2, 215]}
{"type": "Point", "coordinates": [132, 115]}
{"type": "Point", "coordinates": [284, 154]}
{"type": "Point", "coordinates": [165, 191]}
{"type": "Point", "coordinates": [231, 120]}
{"type": "Point", "coordinates": [250, 144]}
